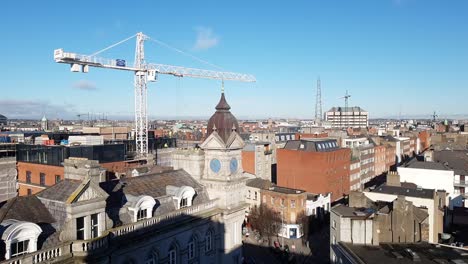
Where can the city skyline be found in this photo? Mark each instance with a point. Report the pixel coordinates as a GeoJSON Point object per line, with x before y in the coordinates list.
{"type": "Point", "coordinates": [403, 53]}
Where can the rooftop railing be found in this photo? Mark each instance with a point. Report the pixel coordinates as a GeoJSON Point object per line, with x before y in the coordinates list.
{"type": "Point", "coordinates": [86, 247]}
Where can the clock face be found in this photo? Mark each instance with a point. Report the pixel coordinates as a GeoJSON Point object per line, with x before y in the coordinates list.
{"type": "Point", "coordinates": [233, 165]}
{"type": "Point", "coordinates": [215, 165]}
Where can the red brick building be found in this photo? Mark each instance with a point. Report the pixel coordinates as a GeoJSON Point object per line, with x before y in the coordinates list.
{"type": "Point", "coordinates": [379, 160]}
{"type": "Point", "coordinates": [289, 203]}
{"type": "Point", "coordinates": [316, 166]}
{"type": "Point", "coordinates": [424, 140]}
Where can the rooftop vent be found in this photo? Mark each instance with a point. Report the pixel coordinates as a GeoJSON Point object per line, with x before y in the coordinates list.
{"type": "Point", "coordinates": [413, 255]}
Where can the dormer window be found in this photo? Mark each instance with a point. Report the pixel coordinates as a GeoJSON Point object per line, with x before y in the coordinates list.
{"type": "Point", "coordinates": [19, 237]}
{"type": "Point", "coordinates": [183, 202]}
{"type": "Point", "coordinates": [142, 214]}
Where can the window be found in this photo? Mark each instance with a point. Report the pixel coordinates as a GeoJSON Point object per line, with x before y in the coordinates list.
{"type": "Point", "coordinates": [57, 178]}
{"type": "Point", "coordinates": [334, 239]}
{"type": "Point", "coordinates": [28, 177]}
{"type": "Point", "coordinates": [272, 200]}
{"type": "Point", "coordinates": [42, 179]}
{"type": "Point", "coordinates": [94, 225]}
{"type": "Point", "coordinates": [208, 241]}
{"type": "Point", "coordinates": [183, 202]}
{"type": "Point", "coordinates": [80, 229]}
{"type": "Point", "coordinates": [293, 203]}
{"type": "Point", "coordinates": [334, 224]}
{"type": "Point", "coordinates": [264, 198]}
{"type": "Point", "coordinates": [142, 214]}
{"type": "Point", "coordinates": [255, 197]}
{"type": "Point", "coordinates": [19, 248]}
{"type": "Point", "coordinates": [172, 256]}
{"type": "Point", "coordinates": [191, 250]}
{"type": "Point", "coordinates": [29, 191]}
{"type": "Point", "coordinates": [151, 259]}
{"type": "Point", "coordinates": [282, 202]}
{"type": "Point", "coordinates": [248, 194]}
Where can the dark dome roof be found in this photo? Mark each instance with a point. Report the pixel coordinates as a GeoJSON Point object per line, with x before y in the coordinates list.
{"type": "Point", "coordinates": [2, 117]}
{"type": "Point", "coordinates": [223, 121]}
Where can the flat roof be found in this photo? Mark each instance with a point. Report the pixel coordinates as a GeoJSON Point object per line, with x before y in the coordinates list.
{"type": "Point", "coordinates": [405, 191]}
{"type": "Point", "coordinates": [425, 253]}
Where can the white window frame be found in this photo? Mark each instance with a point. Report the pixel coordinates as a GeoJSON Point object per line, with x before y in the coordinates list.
{"type": "Point", "coordinates": [94, 225]}
{"type": "Point", "coordinates": [15, 245]}
{"type": "Point", "coordinates": [142, 214]}
{"type": "Point", "coordinates": [191, 250]}
{"type": "Point", "coordinates": [173, 256]}
{"type": "Point", "coordinates": [82, 229]}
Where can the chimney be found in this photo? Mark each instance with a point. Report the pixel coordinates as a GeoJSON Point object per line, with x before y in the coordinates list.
{"type": "Point", "coordinates": [83, 169]}
{"type": "Point", "coordinates": [393, 179]}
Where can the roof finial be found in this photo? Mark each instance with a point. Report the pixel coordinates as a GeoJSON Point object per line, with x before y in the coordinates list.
{"type": "Point", "coordinates": [222, 86]}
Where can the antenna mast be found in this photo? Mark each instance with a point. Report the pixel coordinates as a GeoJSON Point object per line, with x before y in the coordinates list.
{"type": "Point", "coordinates": [318, 103]}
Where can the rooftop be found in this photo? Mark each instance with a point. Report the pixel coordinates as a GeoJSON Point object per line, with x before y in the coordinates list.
{"type": "Point", "coordinates": [405, 253]}
{"type": "Point", "coordinates": [416, 164]}
{"type": "Point", "coordinates": [456, 160]}
{"type": "Point", "coordinates": [313, 145]}
{"type": "Point", "coordinates": [353, 212]}
{"type": "Point", "coordinates": [405, 191]}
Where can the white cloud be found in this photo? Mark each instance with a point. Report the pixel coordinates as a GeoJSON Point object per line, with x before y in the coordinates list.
{"type": "Point", "coordinates": [84, 85]}
{"type": "Point", "coordinates": [205, 38]}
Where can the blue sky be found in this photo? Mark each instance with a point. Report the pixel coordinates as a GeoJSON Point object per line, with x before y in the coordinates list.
{"type": "Point", "coordinates": [408, 56]}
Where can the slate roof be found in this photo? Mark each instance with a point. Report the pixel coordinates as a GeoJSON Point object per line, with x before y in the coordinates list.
{"type": "Point", "coordinates": [153, 185]}
{"type": "Point", "coordinates": [415, 164]}
{"type": "Point", "coordinates": [25, 208]}
{"type": "Point", "coordinates": [312, 145]}
{"type": "Point", "coordinates": [412, 192]}
{"type": "Point", "coordinates": [60, 191]}
{"type": "Point", "coordinates": [259, 183]}
{"type": "Point", "coordinates": [455, 160]}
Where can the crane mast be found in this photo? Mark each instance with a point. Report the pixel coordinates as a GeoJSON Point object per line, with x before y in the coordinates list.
{"type": "Point", "coordinates": [144, 72]}
{"type": "Point", "coordinates": [141, 92]}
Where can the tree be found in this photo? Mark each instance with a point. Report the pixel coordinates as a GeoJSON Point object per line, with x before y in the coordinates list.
{"type": "Point", "coordinates": [265, 220]}
{"type": "Point", "coordinates": [304, 221]}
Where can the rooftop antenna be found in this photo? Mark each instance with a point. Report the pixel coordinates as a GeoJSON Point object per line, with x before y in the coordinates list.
{"type": "Point", "coordinates": [318, 103]}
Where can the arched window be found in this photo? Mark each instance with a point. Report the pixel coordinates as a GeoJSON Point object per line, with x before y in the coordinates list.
{"type": "Point", "coordinates": [141, 207]}
{"type": "Point", "coordinates": [209, 241]}
{"type": "Point", "coordinates": [20, 237]}
{"type": "Point", "coordinates": [193, 248]}
{"type": "Point", "coordinates": [172, 255]}
{"type": "Point", "coordinates": [152, 258]}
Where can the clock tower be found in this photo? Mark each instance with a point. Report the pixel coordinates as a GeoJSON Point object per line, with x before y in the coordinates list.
{"type": "Point", "coordinates": [223, 175]}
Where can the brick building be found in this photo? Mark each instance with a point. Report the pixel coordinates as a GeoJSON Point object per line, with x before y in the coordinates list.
{"type": "Point", "coordinates": [379, 160]}
{"type": "Point", "coordinates": [290, 203]}
{"type": "Point", "coordinates": [42, 166]}
{"type": "Point", "coordinates": [316, 166]}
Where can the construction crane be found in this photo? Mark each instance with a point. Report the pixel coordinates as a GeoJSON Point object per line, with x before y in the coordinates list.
{"type": "Point", "coordinates": [346, 98]}
{"type": "Point", "coordinates": [144, 72]}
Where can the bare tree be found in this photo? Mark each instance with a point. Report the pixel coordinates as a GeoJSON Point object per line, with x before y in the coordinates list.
{"type": "Point", "coordinates": [265, 220]}
{"type": "Point", "coordinates": [304, 221]}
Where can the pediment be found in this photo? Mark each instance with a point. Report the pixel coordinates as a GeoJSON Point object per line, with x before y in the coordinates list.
{"type": "Point", "coordinates": [235, 141]}
{"type": "Point", "coordinates": [213, 141]}
{"type": "Point", "coordinates": [87, 192]}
